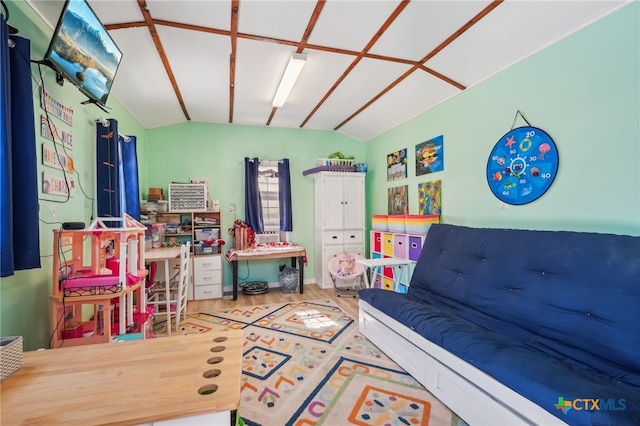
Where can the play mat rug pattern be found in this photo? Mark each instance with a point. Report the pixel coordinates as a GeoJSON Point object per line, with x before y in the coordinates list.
{"type": "Point", "coordinates": [306, 363]}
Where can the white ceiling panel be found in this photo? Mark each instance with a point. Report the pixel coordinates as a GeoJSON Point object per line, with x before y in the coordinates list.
{"type": "Point", "coordinates": [350, 24]}
{"type": "Point", "coordinates": [366, 80]}
{"type": "Point", "coordinates": [210, 14]}
{"type": "Point", "coordinates": [525, 27]}
{"type": "Point", "coordinates": [415, 94]}
{"type": "Point", "coordinates": [208, 100]}
{"type": "Point", "coordinates": [141, 83]}
{"type": "Point", "coordinates": [114, 11]}
{"type": "Point", "coordinates": [49, 10]}
{"type": "Point", "coordinates": [259, 67]}
{"type": "Point", "coordinates": [269, 18]}
{"type": "Point", "coordinates": [270, 30]}
{"type": "Point", "coordinates": [423, 26]}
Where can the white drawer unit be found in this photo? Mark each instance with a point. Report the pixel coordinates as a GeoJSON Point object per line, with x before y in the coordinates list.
{"type": "Point", "coordinates": [207, 277]}
{"type": "Point", "coordinates": [331, 243]}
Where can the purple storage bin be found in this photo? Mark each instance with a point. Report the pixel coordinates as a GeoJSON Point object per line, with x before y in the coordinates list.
{"type": "Point", "coordinates": [415, 247]}
{"type": "Point", "coordinates": [400, 246]}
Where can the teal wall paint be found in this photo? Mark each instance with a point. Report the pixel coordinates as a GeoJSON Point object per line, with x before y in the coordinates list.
{"type": "Point", "coordinates": [584, 91]}
{"type": "Point", "coordinates": [24, 297]}
{"type": "Point", "coordinates": [217, 151]}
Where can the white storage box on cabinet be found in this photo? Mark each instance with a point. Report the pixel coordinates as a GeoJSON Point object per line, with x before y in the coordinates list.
{"type": "Point", "coordinates": [207, 277]}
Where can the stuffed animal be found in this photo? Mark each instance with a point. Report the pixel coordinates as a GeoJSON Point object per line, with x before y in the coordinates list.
{"type": "Point", "coordinates": [346, 267]}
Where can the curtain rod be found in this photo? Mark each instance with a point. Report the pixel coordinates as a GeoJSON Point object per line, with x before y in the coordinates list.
{"type": "Point", "coordinates": [105, 123]}
{"type": "Point", "coordinates": [266, 162]}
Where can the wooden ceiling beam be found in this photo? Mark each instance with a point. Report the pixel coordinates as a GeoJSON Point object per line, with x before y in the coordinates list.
{"type": "Point", "coordinates": [125, 25]}
{"type": "Point", "coordinates": [387, 23]}
{"type": "Point", "coordinates": [301, 45]}
{"type": "Point", "coordinates": [442, 77]}
{"type": "Point", "coordinates": [235, 8]}
{"type": "Point", "coordinates": [303, 41]}
{"type": "Point", "coordinates": [245, 36]}
{"type": "Point", "coordinates": [310, 25]}
{"type": "Point", "coordinates": [163, 56]}
{"type": "Point", "coordinates": [484, 12]}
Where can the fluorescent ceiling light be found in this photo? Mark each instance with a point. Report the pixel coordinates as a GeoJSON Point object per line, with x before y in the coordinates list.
{"type": "Point", "coordinates": [291, 73]}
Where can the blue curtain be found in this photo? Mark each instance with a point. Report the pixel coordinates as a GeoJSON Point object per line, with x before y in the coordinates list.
{"type": "Point", "coordinates": [19, 228]}
{"type": "Point", "coordinates": [284, 193]}
{"type": "Point", "coordinates": [108, 173]}
{"type": "Point", "coordinates": [129, 163]}
{"type": "Point", "coordinates": [6, 207]}
{"type": "Point", "coordinates": [252, 202]}
{"type": "Point", "coordinates": [117, 185]}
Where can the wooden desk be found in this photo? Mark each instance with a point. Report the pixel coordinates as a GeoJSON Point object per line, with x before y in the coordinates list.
{"type": "Point", "coordinates": [129, 383]}
{"type": "Point", "coordinates": [164, 254]}
{"type": "Point", "coordinates": [376, 266]}
{"type": "Point", "coordinates": [296, 253]}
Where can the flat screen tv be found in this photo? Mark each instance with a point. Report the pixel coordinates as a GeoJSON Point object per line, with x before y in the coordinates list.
{"type": "Point", "coordinates": [83, 52]}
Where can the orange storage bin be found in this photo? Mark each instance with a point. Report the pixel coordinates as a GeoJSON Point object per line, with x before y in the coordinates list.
{"type": "Point", "coordinates": [419, 224]}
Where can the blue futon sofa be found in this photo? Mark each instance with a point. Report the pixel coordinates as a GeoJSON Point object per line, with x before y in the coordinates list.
{"type": "Point", "coordinates": [519, 327]}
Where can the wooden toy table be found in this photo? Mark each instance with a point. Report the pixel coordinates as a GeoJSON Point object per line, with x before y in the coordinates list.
{"type": "Point", "coordinates": [192, 378]}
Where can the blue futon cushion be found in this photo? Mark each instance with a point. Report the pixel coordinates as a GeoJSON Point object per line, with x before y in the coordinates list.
{"type": "Point", "coordinates": [549, 314]}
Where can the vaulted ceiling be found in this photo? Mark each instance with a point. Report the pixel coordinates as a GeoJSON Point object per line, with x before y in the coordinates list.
{"type": "Point", "coordinates": [371, 64]}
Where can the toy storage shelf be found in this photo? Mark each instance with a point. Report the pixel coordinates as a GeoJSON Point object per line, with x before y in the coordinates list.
{"type": "Point", "coordinates": [98, 272]}
{"type": "Point", "coordinates": [395, 245]}
{"type": "Point", "coordinates": [193, 226]}
{"type": "Point", "coordinates": [198, 227]}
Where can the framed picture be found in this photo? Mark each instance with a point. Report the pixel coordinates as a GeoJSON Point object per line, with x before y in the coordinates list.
{"type": "Point", "coordinates": [430, 156]}
{"type": "Point", "coordinates": [397, 165]}
{"type": "Point", "coordinates": [430, 197]}
{"type": "Point", "coordinates": [398, 200]}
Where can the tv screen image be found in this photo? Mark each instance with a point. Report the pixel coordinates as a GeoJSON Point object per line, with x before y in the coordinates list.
{"type": "Point", "coordinates": [83, 52]}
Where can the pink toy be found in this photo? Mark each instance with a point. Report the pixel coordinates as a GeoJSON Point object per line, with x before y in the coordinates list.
{"type": "Point", "coordinates": [344, 268]}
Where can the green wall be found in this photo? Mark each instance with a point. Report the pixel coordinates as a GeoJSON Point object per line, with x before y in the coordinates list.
{"type": "Point", "coordinates": [584, 91]}
{"type": "Point", "coordinates": [217, 151]}
{"type": "Point", "coordinates": [24, 297]}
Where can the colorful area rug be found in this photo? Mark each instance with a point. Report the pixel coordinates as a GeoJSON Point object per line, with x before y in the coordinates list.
{"type": "Point", "coordinates": [306, 363]}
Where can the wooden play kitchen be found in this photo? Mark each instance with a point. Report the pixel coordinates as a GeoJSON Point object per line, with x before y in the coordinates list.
{"type": "Point", "coordinates": [192, 379]}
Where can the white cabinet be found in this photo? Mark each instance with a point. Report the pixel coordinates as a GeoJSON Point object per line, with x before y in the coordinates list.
{"type": "Point", "coordinates": [339, 200]}
{"type": "Point", "coordinates": [207, 277]}
{"type": "Point", "coordinates": [339, 219]}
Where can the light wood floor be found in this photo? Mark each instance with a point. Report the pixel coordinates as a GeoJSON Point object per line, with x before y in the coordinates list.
{"type": "Point", "coordinates": [275, 295]}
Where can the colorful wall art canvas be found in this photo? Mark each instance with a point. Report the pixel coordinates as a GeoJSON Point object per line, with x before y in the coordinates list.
{"type": "Point", "coordinates": [398, 200]}
{"type": "Point", "coordinates": [430, 156]}
{"type": "Point", "coordinates": [430, 197]}
{"type": "Point", "coordinates": [397, 165]}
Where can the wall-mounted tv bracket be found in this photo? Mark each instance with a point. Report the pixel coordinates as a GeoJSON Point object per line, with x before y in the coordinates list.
{"type": "Point", "coordinates": [59, 76]}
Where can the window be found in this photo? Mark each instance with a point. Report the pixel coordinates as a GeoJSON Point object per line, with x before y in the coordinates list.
{"type": "Point", "coordinates": [268, 198]}
{"type": "Point", "coordinates": [268, 184]}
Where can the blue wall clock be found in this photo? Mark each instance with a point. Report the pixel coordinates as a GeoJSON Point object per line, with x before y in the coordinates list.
{"type": "Point", "coordinates": [522, 165]}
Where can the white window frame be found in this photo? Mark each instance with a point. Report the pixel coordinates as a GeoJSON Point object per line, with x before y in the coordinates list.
{"type": "Point", "coordinates": [268, 184]}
